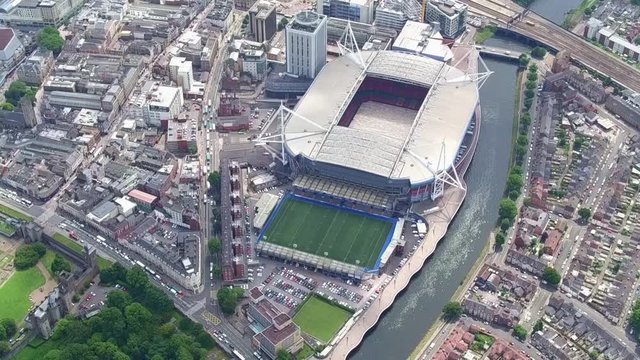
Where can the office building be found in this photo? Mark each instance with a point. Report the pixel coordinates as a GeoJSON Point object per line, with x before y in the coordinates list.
{"type": "Point", "coordinates": [353, 10]}
{"type": "Point", "coordinates": [163, 103]}
{"type": "Point", "coordinates": [262, 20]}
{"type": "Point", "coordinates": [39, 12]}
{"type": "Point", "coordinates": [393, 14]}
{"type": "Point", "coordinates": [254, 62]}
{"type": "Point", "coordinates": [306, 44]}
{"type": "Point", "coordinates": [422, 39]}
{"type": "Point", "coordinates": [181, 71]}
{"type": "Point", "coordinates": [450, 14]}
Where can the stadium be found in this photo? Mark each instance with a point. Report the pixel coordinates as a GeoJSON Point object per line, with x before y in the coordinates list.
{"type": "Point", "coordinates": [376, 130]}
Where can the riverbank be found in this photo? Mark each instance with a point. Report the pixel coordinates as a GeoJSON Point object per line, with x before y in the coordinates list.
{"type": "Point", "coordinates": [484, 33]}
{"type": "Point", "coordinates": [573, 18]}
{"type": "Point", "coordinates": [517, 103]}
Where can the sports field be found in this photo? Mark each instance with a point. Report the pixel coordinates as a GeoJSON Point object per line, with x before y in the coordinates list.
{"type": "Point", "coordinates": [321, 319]}
{"type": "Point", "coordinates": [328, 232]}
{"type": "Point", "coordinates": [14, 293]}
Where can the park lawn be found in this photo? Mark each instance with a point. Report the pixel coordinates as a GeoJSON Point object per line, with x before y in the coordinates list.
{"type": "Point", "coordinates": [14, 293]}
{"type": "Point", "coordinates": [14, 213]}
{"type": "Point", "coordinates": [47, 260]}
{"type": "Point", "coordinates": [320, 319]}
{"type": "Point", "coordinates": [6, 228]}
{"type": "Point", "coordinates": [305, 353]}
{"type": "Point", "coordinates": [329, 232]}
{"type": "Point", "coordinates": [36, 349]}
{"type": "Point", "coordinates": [103, 263]}
{"type": "Point", "coordinates": [72, 245]}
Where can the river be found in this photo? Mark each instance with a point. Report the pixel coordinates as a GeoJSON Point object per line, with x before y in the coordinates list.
{"type": "Point", "coordinates": [406, 322]}
{"type": "Point", "coordinates": [554, 10]}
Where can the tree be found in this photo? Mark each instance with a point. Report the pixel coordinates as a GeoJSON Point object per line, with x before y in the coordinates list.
{"type": "Point", "coordinates": [530, 85]}
{"type": "Point", "coordinates": [214, 180]}
{"type": "Point", "coordinates": [505, 224]}
{"type": "Point", "coordinates": [115, 273]}
{"type": "Point", "coordinates": [594, 355]}
{"type": "Point", "coordinates": [452, 311]}
{"type": "Point", "coordinates": [156, 300]}
{"type": "Point", "coordinates": [137, 316]}
{"type": "Point", "coordinates": [217, 271]}
{"type": "Point", "coordinates": [513, 195]}
{"type": "Point", "coordinates": [528, 103]}
{"type": "Point", "coordinates": [520, 332]}
{"type": "Point", "coordinates": [283, 355]}
{"type": "Point", "coordinates": [228, 299]}
{"type": "Point", "coordinates": [538, 326]}
{"type": "Point", "coordinates": [525, 119]}
{"type": "Point", "coordinates": [533, 68]}
{"type": "Point", "coordinates": [529, 93]}
{"type": "Point", "coordinates": [283, 23]}
{"type": "Point", "coordinates": [214, 245]}
{"type": "Point", "coordinates": [50, 39]}
{"type": "Point", "coordinates": [28, 255]}
{"type": "Point", "coordinates": [7, 106]}
{"type": "Point", "coordinates": [60, 264]}
{"type": "Point", "coordinates": [3, 334]}
{"type": "Point", "coordinates": [532, 76]}
{"type": "Point", "coordinates": [9, 326]}
{"type": "Point", "coordinates": [507, 209]}
{"type": "Point", "coordinates": [118, 299]}
{"type": "Point", "coordinates": [538, 52]}
{"type": "Point", "coordinates": [523, 59]}
{"type": "Point", "coordinates": [585, 214]}
{"type": "Point", "coordinates": [137, 280]}
{"type": "Point", "coordinates": [551, 275]}
{"type": "Point", "coordinates": [500, 239]}
{"type": "Point", "coordinates": [4, 348]}
{"type": "Point", "coordinates": [514, 182]}
{"type": "Point", "coordinates": [16, 91]}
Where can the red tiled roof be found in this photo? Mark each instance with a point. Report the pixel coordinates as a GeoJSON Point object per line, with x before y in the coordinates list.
{"type": "Point", "coordinates": [276, 336]}
{"type": "Point", "coordinates": [6, 35]}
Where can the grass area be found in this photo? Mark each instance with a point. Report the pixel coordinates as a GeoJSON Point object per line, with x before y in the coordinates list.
{"type": "Point", "coordinates": [328, 232]}
{"type": "Point", "coordinates": [36, 349]}
{"type": "Point", "coordinates": [320, 319]}
{"type": "Point", "coordinates": [14, 213]}
{"type": "Point", "coordinates": [47, 260]}
{"type": "Point", "coordinates": [305, 353]}
{"type": "Point", "coordinates": [481, 343]}
{"type": "Point", "coordinates": [103, 263]}
{"type": "Point", "coordinates": [575, 15]}
{"type": "Point", "coordinates": [484, 33]}
{"type": "Point", "coordinates": [516, 115]}
{"type": "Point", "coordinates": [6, 228]}
{"type": "Point", "coordinates": [72, 245]}
{"type": "Point", "coordinates": [14, 293]}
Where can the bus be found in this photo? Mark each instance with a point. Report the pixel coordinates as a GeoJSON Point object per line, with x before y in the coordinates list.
{"type": "Point", "coordinates": [139, 263]}
{"type": "Point", "coordinates": [206, 110]}
{"type": "Point", "coordinates": [209, 102]}
{"type": "Point", "coordinates": [238, 355]}
{"type": "Point", "coordinates": [151, 272]}
{"type": "Point", "coordinates": [208, 157]}
{"type": "Point", "coordinates": [101, 239]}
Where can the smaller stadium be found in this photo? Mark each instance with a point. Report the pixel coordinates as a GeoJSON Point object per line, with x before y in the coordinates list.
{"type": "Point", "coordinates": [328, 237]}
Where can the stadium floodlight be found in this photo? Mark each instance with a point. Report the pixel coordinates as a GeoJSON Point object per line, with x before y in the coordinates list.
{"type": "Point", "coordinates": [347, 44]}
{"type": "Point", "coordinates": [283, 114]}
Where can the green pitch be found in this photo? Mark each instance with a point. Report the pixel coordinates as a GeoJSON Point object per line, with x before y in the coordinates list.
{"type": "Point", "coordinates": [328, 232]}
{"type": "Point", "coordinates": [320, 319]}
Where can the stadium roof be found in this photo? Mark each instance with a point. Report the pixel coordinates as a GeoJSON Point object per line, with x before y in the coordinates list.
{"type": "Point", "coordinates": [443, 117]}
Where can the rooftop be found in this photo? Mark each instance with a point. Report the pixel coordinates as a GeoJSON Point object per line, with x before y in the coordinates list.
{"type": "Point", "coordinates": [307, 21]}
{"type": "Point", "coordinates": [378, 153]}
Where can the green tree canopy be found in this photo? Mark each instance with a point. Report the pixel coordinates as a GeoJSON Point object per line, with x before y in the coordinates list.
{"type": "Point", "coordinates": [4, 348]}
{"type": "Point", "coordinates": [551, 275]}
{"type": "Point", "coordinates": [283, 354]}
{"type": "Point", "coordinates": [115, 273]}
{"type": "Point", "coordinates": [514, 182]}
{"type": "Point", "coordinates": [16, 91]}
{"type": "Point", "coordinates": [9, 326]}
{"type": "Point", "coordinates": [452, 311]}
{"type": "Point", "coordinates": [520, 332]}
{"type": "Point", "coordinates": [538, 326]}
{"type": "Point", "coordinates": [228, 299]}
{"type": "Point", "coordinates": [214, 245]}
{"type": "Point", "coordinates": [50, 39]}
{"type": "Point", "coordinates": [533, 68]}
{"type": "Point", "coordinates": [538, 52]}
{"type": "Point", "coordinates": [584, 213]}
{"type": "Point", "coordinates": [505, 224]}
{"type": "Point", "coordinates": [500, 239]}
{"type": "Point", "coordinates": [523, 59]}
{"type": "Point", "coordinates": [60, 264]}
{"type": "Point", "coordinates": [7, 106]}
{"type": "Point", "coordinates": [28, 255]}
{"type": "Point", "coordinates": [508, 209]}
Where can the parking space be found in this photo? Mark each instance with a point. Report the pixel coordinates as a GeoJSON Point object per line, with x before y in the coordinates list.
{"type": "Point", "coordinates": [93, 299]}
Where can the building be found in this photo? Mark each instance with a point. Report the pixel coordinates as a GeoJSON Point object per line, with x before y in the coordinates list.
{"type": "Point", "coordinates": [43, 317]}
{"type": "Point", "coordinates": [391, 16]}
{"type": "Point", "coordinates": [163, 103]}
{"type": "Point", "coordinates": [422, 39]}
{"type": "Point", "coordinates": [182, 137]}
{"type": "Point", "coordinates": [274, 330]}
{"type": "Point", "coordinates": [625, 108]}
{"type": "Point", "coordinates": [262, 20]}
{"type": "Point", "coordinates": [39, 13]}
{"type": "Point", "coordinates": [450, 14]}
{"type": "Point", "coordinates": [353, 10]}
{"type": "Point", "coordinates": [11, 49]}
{"type": "Point", "coordinates": [34, 70]}
{"type": "Point", "coordinates": [592, 27]}
{"type": "Point", "coordinates": [146, 202]}
{"type": "Point", "coordinates": [306, 44]}
{"type": "Point", "coordinates": [254, 62]}
{"type": "Point", "coordinates": [181, 71]}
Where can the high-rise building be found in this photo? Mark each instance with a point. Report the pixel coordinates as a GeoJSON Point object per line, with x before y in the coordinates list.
{"type": "Point", "coordinates": [262, 20]}
{"type": "Point", "coordinates": [306, 44]}
{"type": "Point", "coordinates": [450, 14]}
{"type": "Point", "coordinates": [181, 71]}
